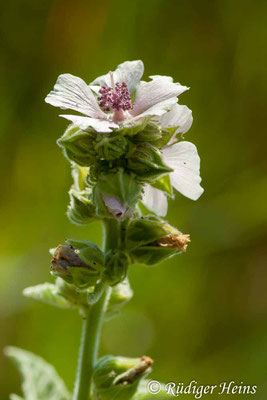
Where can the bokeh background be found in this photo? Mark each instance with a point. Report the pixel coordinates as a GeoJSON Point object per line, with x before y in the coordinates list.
{"type": "Point", "coordinates": [202, 315]}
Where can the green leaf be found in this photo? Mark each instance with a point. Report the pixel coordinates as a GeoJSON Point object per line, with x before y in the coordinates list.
{"type": "Point", "coordinates": [40, 379]}
{"type": "Point", "coordinates": [164, 184]}
{"type": "Point", "coordinates": [143, 393]}
{"type": "Point", "coordinates": [47, 293]}
{"type": "Point", "coordinates": [120, 295]}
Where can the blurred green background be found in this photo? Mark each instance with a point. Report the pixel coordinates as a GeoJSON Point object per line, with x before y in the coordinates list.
{"type": "Point", "coordinates": [202, 315]}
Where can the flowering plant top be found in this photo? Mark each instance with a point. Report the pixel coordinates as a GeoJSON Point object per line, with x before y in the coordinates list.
{"type": "Point", "coordinates": [120, 102]}
{"type": "Point", "coordinates": [127, 155]}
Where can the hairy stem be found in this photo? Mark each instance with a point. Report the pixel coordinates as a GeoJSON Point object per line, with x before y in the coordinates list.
{"type": "Point", "coordinates": [92, 324]}
{"type": "Point", "coordinates": [89, 348]}
{"type": "Point", "coordinates": [111, 234]}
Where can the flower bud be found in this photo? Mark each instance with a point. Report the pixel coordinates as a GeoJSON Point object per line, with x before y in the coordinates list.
{"type": "Point", "coordinates": [146, 162]}
{"type": "Point", "coordinates": [120, 295]}
{"type": "Point", "coordinates": [81, 210]}
{"type": "Point", "coordinates": [118, 377]}
{"type": "Point", "coordinates": [78, 145]}
{"type": "Point", "coordinates": [150, 240]}
{"type": "Point", "coordinates": [116, 195]}
{"type": "Point", "coordinates": [110, 146]}
{"type": "Point", "coordinates": [142, 231]}
{"type": "Point", "coordinates": [78, 262]}
{"type": "Point", "coordinates": [150, 133]}
{"type": "Point", "coordinates": [116, 208]}
{"type": "Point", "coordinates": [116, 267]}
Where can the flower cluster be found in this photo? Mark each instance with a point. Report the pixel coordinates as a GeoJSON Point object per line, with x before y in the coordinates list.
{"type": "Point", "coordinates": [133, 126]}
{"type": "Point", "coordinates": [128, 157]}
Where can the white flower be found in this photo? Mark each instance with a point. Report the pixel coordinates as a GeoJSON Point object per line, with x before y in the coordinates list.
{"type": "Point", "coordinates": [182, 157]}
{"type": "Point", "coordinates": [106, 103]}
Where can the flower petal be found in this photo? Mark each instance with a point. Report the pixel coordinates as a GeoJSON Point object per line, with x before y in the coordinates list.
{"type": "Point", "coordinates": [179, 117]}
{"type": "Point", "coordinates": [160, 89]}
{"type": "Point", "coordinates": [130, 72]}
{"type": "Point", "coordinates": [155, 200]}
{"type": "Point", "coordinates": [169, 78]}
{"type": "Point", "coordinates": [158, 109]}
{"type": "Point", "coordinates": [71, 92]}
{"type": "Point", "coordinates": [116, 208]}
{"type": "Point", "coordinates": [84, 123]}
{"type": "Point", "coordinates": [184, 159]}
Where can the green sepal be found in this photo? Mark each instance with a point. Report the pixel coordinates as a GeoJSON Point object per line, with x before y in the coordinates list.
{"type": "Point", "coordinates": [131, 128]}
{"type": "Point", "coordinates": [81, 210]}
{"type": "Point", "coordinates": [93, 256]}
{"type": "Point", "coordinates": [89, 252]}
{"type": "Point", "coordinates": [111, 146]}
{"type": "Point", "coordinates": [119, 185]}
{"type": "Point", "coordinates": [78, 262]}
{"type": "Point", "coordinates": [150, 133]}
{"type": "Point", "coordinates": [146, 162]}
{"type": "Point", "coordinates": [151, 255]}
{"type": "Point", "coordinates": [79, 175]}
{"type": "Point", "coordinates": [142, 231]}
{"type": "Point", "coordinates": [40, 380]}
{"type": "Point", "coordinates": [81, 277]}
{"type": "Point", "coordinates": [117, 378]}
{"type": "Point", "coordinates": [117, 263]}
{"type": "Point", "coordinates": [164, 184]}
{"type": "Point", "coordinates": [166, 135]}
{"type": "Point", "coordinates": [78, 145]}
{"type": "Point", "coordinates": [120, 295]}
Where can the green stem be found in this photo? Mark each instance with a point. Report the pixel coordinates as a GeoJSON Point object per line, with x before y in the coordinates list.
{"type": "Point", "coordinates": [92, 324]}
{"type": "Point", "coordinates": [89, 348]}
{"type": "Point", "coordinates": [111, 234]}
